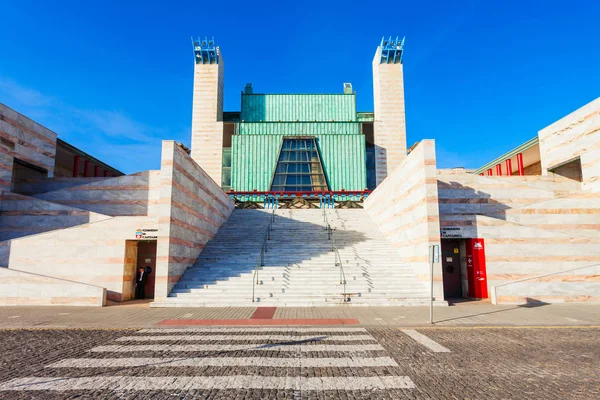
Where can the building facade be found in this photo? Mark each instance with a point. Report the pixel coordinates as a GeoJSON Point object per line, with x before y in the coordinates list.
{"type": "Point", "coordinates": [254, 149]}
{"type": "Point", "coordinates": [522, 228]}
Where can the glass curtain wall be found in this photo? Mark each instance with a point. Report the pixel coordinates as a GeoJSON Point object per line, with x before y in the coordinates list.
{"type": "Point", "coordinates": [299, 167]}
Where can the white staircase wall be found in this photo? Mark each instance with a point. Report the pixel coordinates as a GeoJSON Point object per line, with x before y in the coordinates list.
{"type": "Point", "coordinates": [192, 208]}
{"type": "Point", "coordinates": [405, 208]}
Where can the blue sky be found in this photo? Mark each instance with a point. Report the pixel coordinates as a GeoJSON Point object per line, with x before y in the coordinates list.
{"type": "Point", "coordinates": [115, 78]}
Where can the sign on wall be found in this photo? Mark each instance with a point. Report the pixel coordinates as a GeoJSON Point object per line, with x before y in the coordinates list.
{"type": "Point", "coordinates": [146, 234]}
{"type": "Point", "coordinates": [449, 232]}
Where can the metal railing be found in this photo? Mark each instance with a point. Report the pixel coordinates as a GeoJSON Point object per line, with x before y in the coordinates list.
{"type": "Point", "coordinates": [260, 261]}
{"type": "Point", "coordinates": [337, 257]}
{"type": "Point", "coordinates": [494, 288]}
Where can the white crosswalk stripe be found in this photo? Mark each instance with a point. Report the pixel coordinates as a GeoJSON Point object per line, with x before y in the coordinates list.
{"type": "Point", "coordinates": [217, 338]}
{"type": "Point", "coordinates": [291, 349]}
{"type": "Point", "coordinates": [252, 329]}
{"type": "Point", "coordinates": [344, 362]}
{"type": "Point", "coordinates": [425, 341]}
{"type": "Point", "coordinates": [350, 348]}
{"type": "Point", "coordinates": [208, 382]}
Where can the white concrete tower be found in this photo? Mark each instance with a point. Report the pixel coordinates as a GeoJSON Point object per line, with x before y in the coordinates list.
{"type": "Point", "coordinates": [207, 108]}
{"type": "Point", "coordinates": [388, 96]}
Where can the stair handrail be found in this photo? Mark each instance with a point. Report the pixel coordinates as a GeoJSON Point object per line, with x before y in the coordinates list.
{"type": "Point", "coordinates": [260, 261]}
{"type": "Point", "coordinates": [495, 297]}
{"type": "Point", "coordinates": [337, 258]}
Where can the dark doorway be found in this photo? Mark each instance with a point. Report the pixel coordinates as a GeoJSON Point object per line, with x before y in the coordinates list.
{"type": "Point", "coordinates": [451, 268]}
{"type": "Point", "coordinates": [146, 257]}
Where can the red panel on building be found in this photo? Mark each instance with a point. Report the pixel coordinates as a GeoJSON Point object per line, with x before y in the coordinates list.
{"type": "Point", "coordinates": [476, 271]}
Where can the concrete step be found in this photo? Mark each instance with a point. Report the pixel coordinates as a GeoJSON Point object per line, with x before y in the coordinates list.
{"type": "Point", "coordinates": [299, 264]}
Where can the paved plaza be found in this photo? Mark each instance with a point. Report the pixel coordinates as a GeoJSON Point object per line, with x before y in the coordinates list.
{"type": "Point", "coordinates": [473, 351]}
{"type": "Point", "coordinates": [301, 362]}
{"type": "Point", "coordinates": [137, 314]}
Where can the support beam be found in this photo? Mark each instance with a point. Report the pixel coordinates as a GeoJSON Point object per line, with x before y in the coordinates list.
{"type": "Point", "coordinates": [76, 166]}
{"type": "Point", "coordinates": [86, 168]}
{"type": "Point", "coordinates": [489, 172]}
{"type": "Point", "coordinates": [96, 171]}
{"type": "Point", "coordinates": [520, 164]}
{"type": "Point", "coordinates": [499, 169]}
{"type": "Point", "coordinates": [105, 173]}
{"type": "Point", "coordinates": [508, 167]}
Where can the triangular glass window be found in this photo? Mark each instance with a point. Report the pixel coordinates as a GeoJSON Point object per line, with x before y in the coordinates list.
{"type": "Point", "coordinates": [299, 167]}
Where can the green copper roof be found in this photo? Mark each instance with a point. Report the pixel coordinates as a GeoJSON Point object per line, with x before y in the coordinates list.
{"type": "Point", "coordinates": [298, 128]}
{"type": "Point", "coordinates": [298, 107]}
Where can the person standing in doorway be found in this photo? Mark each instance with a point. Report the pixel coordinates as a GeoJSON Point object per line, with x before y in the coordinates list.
{"type": "Point", "coordinates": [140, 283]}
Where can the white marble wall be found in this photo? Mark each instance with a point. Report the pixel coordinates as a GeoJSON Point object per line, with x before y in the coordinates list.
{"type": "Point", "coordinates": [192, 208]}
{"type": "Point", "coordinates": [390, 125]}
{"type": "Point", "coordinates": [19, 288]}
{"type": "Point", "coordinates": [25, 139]}
{"type": "Point", "coordinates": [207, 117]}
{"type": "Point", "coordinates": [22, 216]}
{"type": "Point", "coordinates": [531, 226]}
{"type": "Point", "coordinates": [405, 207]}
{"type": "Point", "coordinates": [127, 195]}
{"type": "Point", "coordinates": [576, 135]}
{"type": "Point", "coordinates": [92, 253]}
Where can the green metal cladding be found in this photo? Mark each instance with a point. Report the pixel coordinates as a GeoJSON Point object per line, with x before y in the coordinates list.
{"type": "Point", "coordinates": [254, 158]}
{"type": "Point", "coordinates": [264, 121]}
{"type": "Point", "coordinates": [298, 107]}
{"type": "Point", "coordinates": [298, 128]}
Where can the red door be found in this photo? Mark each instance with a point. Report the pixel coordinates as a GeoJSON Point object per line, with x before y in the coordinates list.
{"type": "Point", "coordinates": [476, 272]}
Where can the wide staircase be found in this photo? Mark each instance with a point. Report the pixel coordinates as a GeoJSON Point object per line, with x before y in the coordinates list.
{"type": "Point", "coordinates": [301, 265]}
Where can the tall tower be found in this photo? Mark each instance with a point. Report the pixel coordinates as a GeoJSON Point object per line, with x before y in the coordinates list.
{"type": "Point", "coordinates": [388, 95]}
{"type": "Point", "coordinates": [207, 108]}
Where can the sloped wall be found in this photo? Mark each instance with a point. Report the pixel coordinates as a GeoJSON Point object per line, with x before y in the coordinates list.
{"type": "Point", "coordinates": [39, 186]}
{"type": "Point", "coordinates": [405, 206]}
{"type": "Point", "coordinates": [22, 215]}
{"type": "Point", "coordinates": [121, 196]}
{"type": "Point", "coordinates": [19, 288]}
{"type": "Point", "coordinates": [92, 253]}
{"type": "Point", "coordinates": [192, 209]}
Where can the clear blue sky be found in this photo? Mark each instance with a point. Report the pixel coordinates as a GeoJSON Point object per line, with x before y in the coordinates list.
{"type": "Point", "coordinates": [481, 77]}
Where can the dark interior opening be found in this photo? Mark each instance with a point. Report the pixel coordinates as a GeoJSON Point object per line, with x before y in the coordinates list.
{"type": "Point", "coordinates": [570, 169]}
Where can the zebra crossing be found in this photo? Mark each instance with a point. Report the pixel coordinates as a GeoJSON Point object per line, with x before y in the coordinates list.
{"type": "Point", "coordinates": [186, 359]}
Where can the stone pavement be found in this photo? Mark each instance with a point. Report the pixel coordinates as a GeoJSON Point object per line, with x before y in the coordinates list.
{"type": "Point", "coordinates": [138, 315]}
{"type": "Point", "coordinates": [301, 363]}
